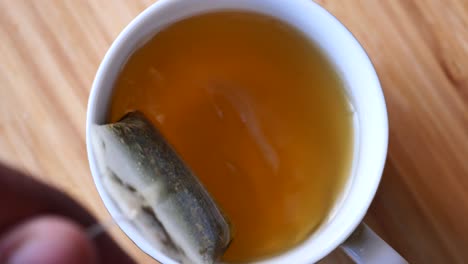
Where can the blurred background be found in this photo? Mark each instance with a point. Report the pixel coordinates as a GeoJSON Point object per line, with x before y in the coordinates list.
{"type": "Point", "coordinates": [50, 51]}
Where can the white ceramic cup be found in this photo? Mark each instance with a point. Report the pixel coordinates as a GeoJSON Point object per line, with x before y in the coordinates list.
{"type": "Point", "coordinates": [363, 88]}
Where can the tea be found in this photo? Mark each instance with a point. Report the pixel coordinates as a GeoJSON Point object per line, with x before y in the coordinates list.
{"type": "Point", "coordinates": [257, 112]}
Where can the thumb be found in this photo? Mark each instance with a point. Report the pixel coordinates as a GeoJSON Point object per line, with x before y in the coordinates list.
{"type": "Point", "coordinates": [47, 240]}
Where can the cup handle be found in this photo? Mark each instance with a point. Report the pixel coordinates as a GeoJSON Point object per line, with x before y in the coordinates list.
{"type": "Point", "coordinates": [366, 247]}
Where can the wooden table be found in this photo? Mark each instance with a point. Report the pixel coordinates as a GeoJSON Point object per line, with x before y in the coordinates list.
{"type": "Point", "coordinates": [50, 50]}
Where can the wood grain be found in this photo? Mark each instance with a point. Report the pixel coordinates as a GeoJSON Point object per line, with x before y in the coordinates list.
{"type": "Point", "coordinates": [50, 51]}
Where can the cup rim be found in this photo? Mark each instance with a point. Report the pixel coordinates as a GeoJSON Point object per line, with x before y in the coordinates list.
{"type": "Point", "coordinates": [302, 253]}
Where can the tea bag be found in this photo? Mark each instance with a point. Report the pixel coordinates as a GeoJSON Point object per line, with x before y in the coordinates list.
{"type": "Point", "coordinates": [152, 186]}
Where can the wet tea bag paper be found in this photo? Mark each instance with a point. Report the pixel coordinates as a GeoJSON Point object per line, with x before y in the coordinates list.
{"type": "Point", "coordinates": [152, 186]}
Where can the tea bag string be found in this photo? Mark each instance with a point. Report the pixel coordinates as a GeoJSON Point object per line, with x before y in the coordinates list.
{"type": "Point", "coordinates": [99, 228]}
{"type": "Point", "coordinates": [96, 229]}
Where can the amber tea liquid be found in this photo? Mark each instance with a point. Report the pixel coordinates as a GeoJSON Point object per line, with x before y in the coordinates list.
{"type": "Point", "coordinates": [257, 112]}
